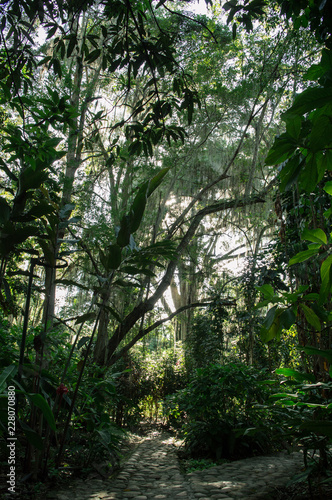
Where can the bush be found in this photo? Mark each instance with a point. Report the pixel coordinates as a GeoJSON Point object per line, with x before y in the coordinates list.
{"type": "Point", "coordinates": [218, 413]}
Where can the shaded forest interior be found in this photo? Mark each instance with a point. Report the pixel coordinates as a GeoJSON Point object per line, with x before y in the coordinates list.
{"type": "Point", "coordinates": [164, 232]}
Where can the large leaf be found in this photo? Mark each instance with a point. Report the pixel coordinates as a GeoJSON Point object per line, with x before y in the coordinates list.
{"type": "Point", "coordinates": [290, 172]}
{"type": "Point", "coordinates": [39, 401]}
{"type": "Point", "coordinates": [305, 255]}
{"type": "Point", "coordinates": [267, 290]}
{"type": "Point", "coordinates": [271, 326]}
{"type": "Point", "coordinates": [32, 436]}
{"type": "Point", "coordinates": [314, 351]}
{"type": "Point", "coordinates": [325, 273]}
{"type": "Point", "coordinates": [111, 257]}
{"type": "Point", "coordinates": [123, 238]}
{"type": "Point", "coordinates": [282, 149]}
{"type": "Point", "coordinates": [287, 319]}
{"type": "Point", "coordinates": [310, 99]}
{"type": "Point", "coordinates": [137, 271]}
{"type": "Point", "coordinates": [4, 210]}
{"type": "Point", "coordinates": [293, 126]}
{"type": "Point", "coordinates": [276, 320]}
{"type": "Point", "coordinates": [85, 317]}
{"type": "Point", "coordinates": [139, 203]}
{"type": "Point", "coordinates": [156, 180]}
{"type": "Point", "coordinates": [314, 235]}
{"type": "Point", "coordinates": [137, 209]}
{"type": "Point", "coordinates": [131, 222]}
{"type": "Point", "coordinates": [321, 133]}
{"type": "Point", "coordinates": [31, 179]}
{"type": "Point", "coordinates": [328, 185]}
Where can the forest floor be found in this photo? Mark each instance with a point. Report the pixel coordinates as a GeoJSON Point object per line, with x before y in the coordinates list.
{"type": "Point", "coordinates": [151, 469]}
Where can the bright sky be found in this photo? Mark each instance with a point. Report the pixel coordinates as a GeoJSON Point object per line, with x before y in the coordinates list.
{"type": "Point", "coordinates": [199, 7]}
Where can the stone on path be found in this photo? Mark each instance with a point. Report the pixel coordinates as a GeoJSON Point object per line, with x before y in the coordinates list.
{"type": "Point", "coordinates": [153, 473]}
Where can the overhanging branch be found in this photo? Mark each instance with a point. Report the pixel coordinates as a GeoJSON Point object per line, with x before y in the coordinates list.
{"type": "Point", "coordinates": [142, 333]}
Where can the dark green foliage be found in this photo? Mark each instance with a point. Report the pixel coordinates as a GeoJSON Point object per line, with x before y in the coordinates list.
{"type": "Point", "coordinates": [219, 415]}
{"type": "Point", "coordinates": [146, 379]}
{"type": "Point", "coordinates": [302, 408]}
{"type": "Point", "coordinates": [92, 434]}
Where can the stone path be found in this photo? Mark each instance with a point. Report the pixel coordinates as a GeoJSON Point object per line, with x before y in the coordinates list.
{"type": "Point", "coordinates": [152, 472]}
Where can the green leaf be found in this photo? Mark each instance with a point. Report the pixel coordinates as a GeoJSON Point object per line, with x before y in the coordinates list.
{"type": "Point", "coordinates": [325, 273]}
{"type": "Point", "coordinates": [302, 256]}
{"type": "Point", "coordinates": [32, 436]}
{"type": "Point", "coordinates": [66, 210]}
{"type": "Point", "coordinates": [271, 326]}
{"type": "Point", "coordinates": [293, 126]}
{"type": "Point", "coordinates": [31, 179]}
{"type": "Point", "coordinates": [314, 73]}
{"type": "Point", "coordinates": [66, 282]}
{"type": "Point", "coordinates": [321, 133]}
{"type": "Point", "coordinates": [137, 209]}
{"type": "Point", "coordinates": [135, 270]}
{"type": "Point", "coordinates": [93, 55]}
{"type": "Point", "coordinates": [290, 172]}
{"type": "Point", "coordinates": [4, 211]}
{"type": "Point", "coordinates": [41, 209]}
{"type": "Point", "coordinates": [51, 32]}
{"type": "Point", "coordinates": [267, 290]}
{"type": "Point", "coordinates": [156, 180]}
{"type": "Point", "coordinates": [111, 258]}
{"type": "Point", "coordinates": [283, 395]}
{"type": "Point", "coordinates": [311, 316]}
{"type": "Point", "coordinates": [124, 233]}
{"type": "Point", "coordinates": [314, 235]}
{"type": "Point", "coordinates": [310, 99]}
{"type": "Point", "coordinates": [57, 67]}
{"type": "Point", "coordinates": [299, 376]}
{"type": "Point", "coordinates": [308, 178]}
{"type": "Point", "coordinates": [82, 342]}
{"type": "Point", "coordinates": [39, 401]}
{"type": "Point", "coordinates": [320, 427]}
{"type": "Point", "coordinates": [8, 372]}
{"type": "Point", "coordinates": [131, 222]}
{"type": "Point", "coordinates": [71, 45]}
{"type": "Point", "coordinates": [287, 319]}
{"type": "Point", "coordinates": [234, 28]}
{"type": "Point", "coordinates": [85, 317]}
{"type": "Point", "coordinates": [283, 148]}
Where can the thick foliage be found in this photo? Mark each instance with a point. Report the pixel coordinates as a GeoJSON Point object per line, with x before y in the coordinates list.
{"type": "Point", "coordinates": [205, 340]}
{"type": "Point", "coordinates": [302, 408]}
{"type": "Point", "coordinates": [218, 413]}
